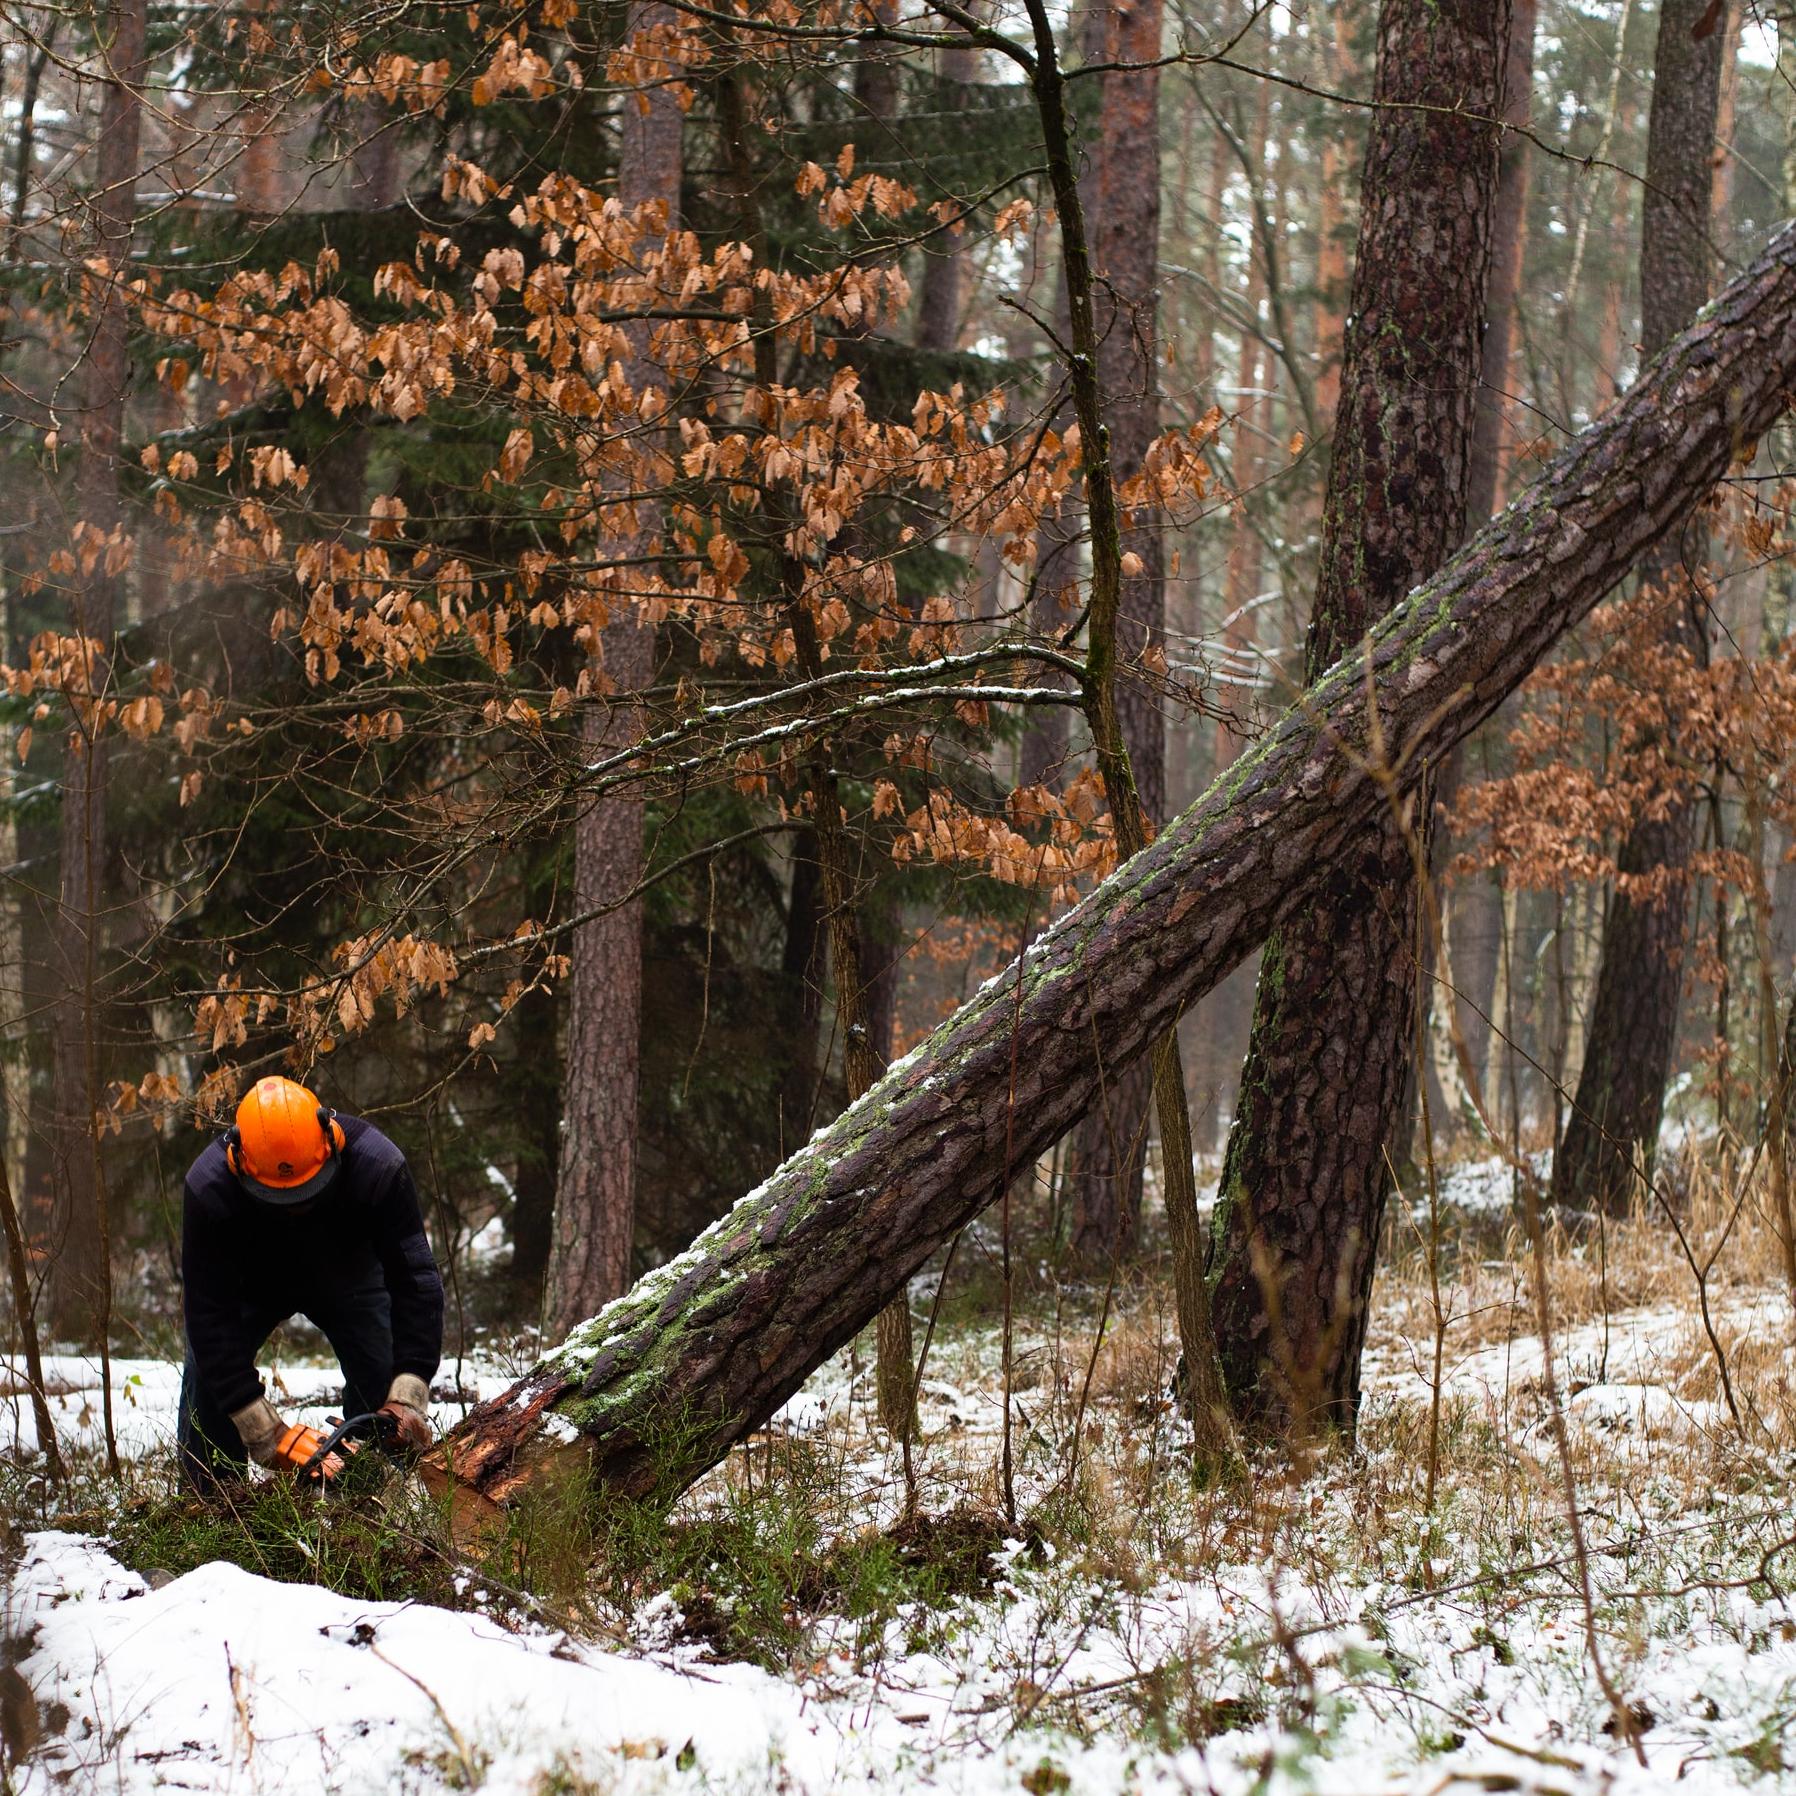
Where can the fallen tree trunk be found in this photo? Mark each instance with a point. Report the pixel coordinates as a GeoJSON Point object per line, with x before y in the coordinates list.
{"type": "Point", "coordinates": [657, 1387]}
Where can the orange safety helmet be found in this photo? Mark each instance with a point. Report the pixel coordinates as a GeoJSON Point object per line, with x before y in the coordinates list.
{"type": "Point", "coordinates": [285, 1146]}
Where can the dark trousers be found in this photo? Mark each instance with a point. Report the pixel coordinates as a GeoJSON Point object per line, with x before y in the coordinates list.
{"type": "Point", "coordinates": [357, 1321]}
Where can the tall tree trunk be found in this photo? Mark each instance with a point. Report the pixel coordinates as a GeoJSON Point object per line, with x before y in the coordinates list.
{"type": "Point", "coordinates": [1721, 190]}
{"type": "Point", "coordinates": [1613, 1129]}
{"type": "Point", "coordinates": [1470, 908]}
{"type": "Point", "coordinates": [1110, 1147]}
{"type": "Point", "coordinates": [945, 270]}
{"type": "Point", "coordinates": [1509, 239]}
{"type": "Point", "coordinates": [1253, 414]}
{"type": "Point", "coordinates": [595, 1194]}
{"type": "Point", "coordinates": [876, 82]}
{"type": "Point", "coordinates": [1332, 233]}
{"type": "Point", "coordinates": [15, 1008]}
{"type": "Point", "coordinates": [801, 975]}
{"type": "Point", "coordinates": [80, 1297]}
{"type": "Point", "coordinates": [1324, 1090]}
{"type": "Point", "coordinates": [861, 942]}
{"type": "Point", "coordinates": [1611, 113]}
{"type": "Point", "coordinates": [1228, 1012]}
{"type": "Point", "coordinates": [1053, 604]}
{"type": "Point", "coordinates": [704, 1349]}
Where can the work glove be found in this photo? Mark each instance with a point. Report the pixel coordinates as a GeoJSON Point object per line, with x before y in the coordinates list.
{"type": "Point", "coordinates": [408, 1403]}
{"type": "Point", "coordinates": [281, 1446]}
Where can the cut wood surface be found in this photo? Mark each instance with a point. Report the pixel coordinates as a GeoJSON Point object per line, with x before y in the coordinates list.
{"type": "Point", "coordinates": [658, 1386]}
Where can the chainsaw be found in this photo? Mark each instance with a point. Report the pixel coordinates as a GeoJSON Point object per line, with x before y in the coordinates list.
{"type": "Point", "coordinates": [317, 1457]}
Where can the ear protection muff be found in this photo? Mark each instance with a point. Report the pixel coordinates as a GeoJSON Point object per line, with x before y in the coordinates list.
{"type": "Point", "coordinates": [334, 1138]}
{"type": "Point", "coordinates": [233, 1142]}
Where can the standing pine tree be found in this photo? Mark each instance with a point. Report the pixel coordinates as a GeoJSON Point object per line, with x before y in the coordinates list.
{"type": "Point", "coordinates": [79, 1294]}
{"type": "Point", "coordinates": [1110, 1149]}
{"type": "Point", "coordinates": [1614, 1123]}
{"type": "Point", "coordinates": [595, 1196]}
{"type": "Point", "coordinates": [1324, 1089]}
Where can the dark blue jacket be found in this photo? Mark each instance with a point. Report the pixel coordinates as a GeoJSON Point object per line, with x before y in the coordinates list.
{"type": "Point", "coordinates": [243, 1262]}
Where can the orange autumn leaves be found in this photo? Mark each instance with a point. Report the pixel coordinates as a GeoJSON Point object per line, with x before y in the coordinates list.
{"type": "Point", "coordinates": [611, 369]}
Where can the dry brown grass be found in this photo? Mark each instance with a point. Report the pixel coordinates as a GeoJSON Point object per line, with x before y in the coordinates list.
{"type": "Point", "coordinates": [1671, 1489]}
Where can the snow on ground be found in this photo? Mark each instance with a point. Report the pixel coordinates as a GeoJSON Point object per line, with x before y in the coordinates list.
{"type": "Point", "coordinates": [1610, 1368]}
{"type": "Point", "coordinates": [1426, 1666]}
{"type": "Point", "coordinates": [1483, 1187]}
{"type": "Point", "coordinates": [221, 1681]}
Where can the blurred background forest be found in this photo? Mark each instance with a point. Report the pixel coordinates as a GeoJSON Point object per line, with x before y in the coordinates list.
{"type": "Point", "coordinates": [329, 634]}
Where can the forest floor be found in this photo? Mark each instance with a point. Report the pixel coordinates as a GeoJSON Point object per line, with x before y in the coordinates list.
{"type": "Point", "coordinates": [1412, 1615]}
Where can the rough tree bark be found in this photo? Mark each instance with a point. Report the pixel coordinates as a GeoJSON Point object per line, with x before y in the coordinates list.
{"type": "Point", "coordinates": [1613, 1127]}
{"type": "Point", "coordinates": [595, 1193]}
{"type": "Point", "coordinates": [78, 1287]}
{"type": "Point", "coordinates": [1473, 910]}
{"type": "Point", "coordinates": [1325, 1085]}
{"type": "Point", "coordinates": [1110, 1147]}
{"type": "Point", "coordinates": [658, 1387]}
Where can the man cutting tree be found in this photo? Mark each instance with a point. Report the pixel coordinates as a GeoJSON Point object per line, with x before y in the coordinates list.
{"type": "Point", "coordinates": [300, 1211]}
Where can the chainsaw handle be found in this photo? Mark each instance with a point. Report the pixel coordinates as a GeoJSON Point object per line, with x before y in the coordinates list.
{"type": "Point", "coordinates": [374, 1424]}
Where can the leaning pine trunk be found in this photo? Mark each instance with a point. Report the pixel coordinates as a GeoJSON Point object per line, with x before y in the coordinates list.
{"type": "Point", "coordinates": [657, 1388]}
